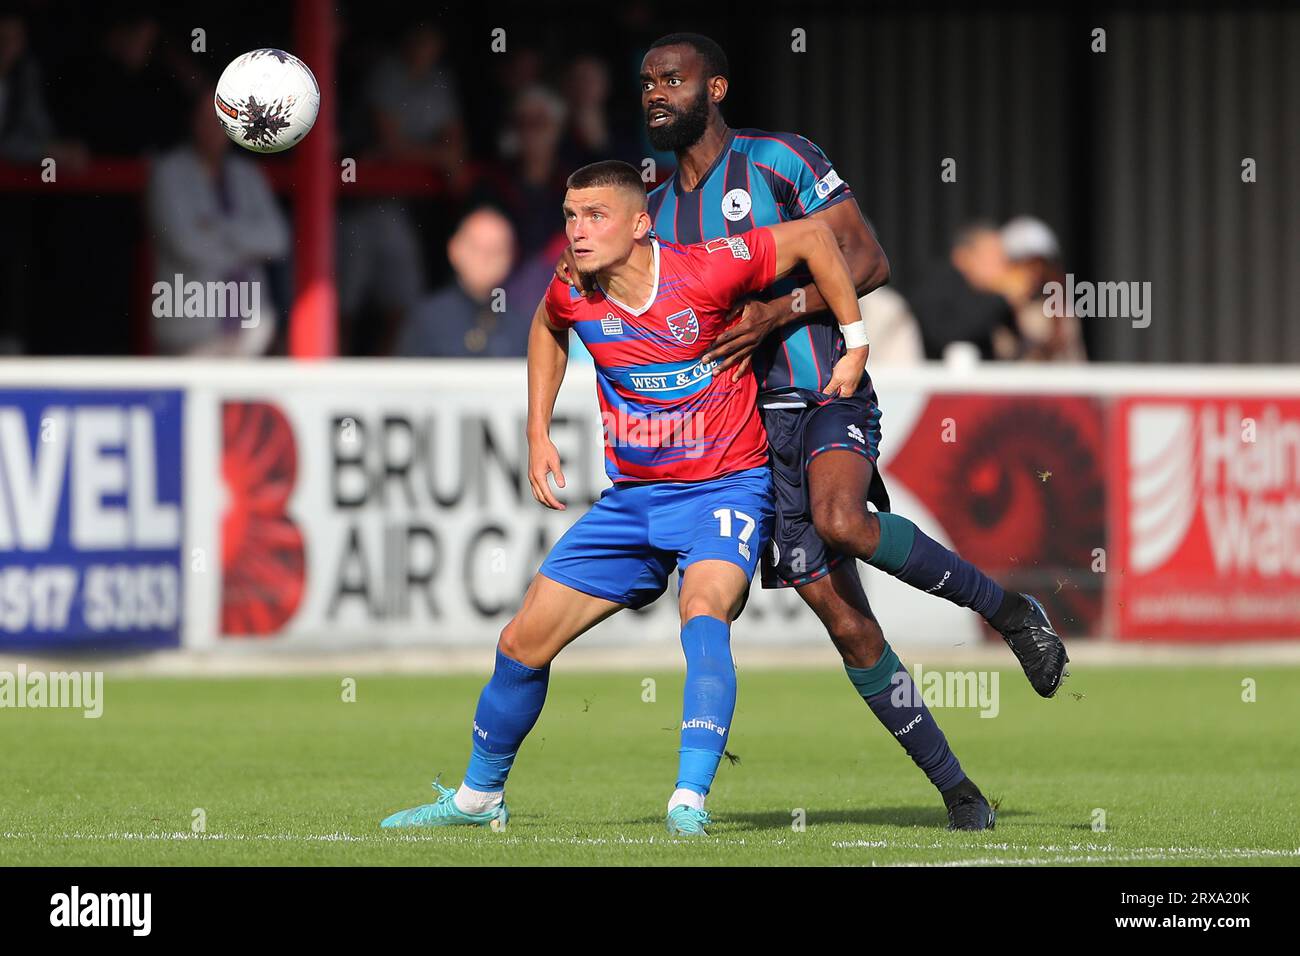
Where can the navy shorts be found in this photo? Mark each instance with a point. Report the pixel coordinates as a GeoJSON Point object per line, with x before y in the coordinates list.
{"type": "Point", "coordinates": [795, 436]}
{"type": "Point", "coordinates": [626, 546]}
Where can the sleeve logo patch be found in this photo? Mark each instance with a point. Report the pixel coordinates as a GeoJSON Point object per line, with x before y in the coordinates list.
{"type": "Point", "coordinates": [827, 184]}
{"type": "Point", "coordinates": [739, 250]}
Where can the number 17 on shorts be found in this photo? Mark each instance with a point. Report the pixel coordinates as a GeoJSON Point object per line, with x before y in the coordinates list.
{"type": "Point", "coordinates": [726, 528]}
{"type": "Point", "coordinates": [729, 519]}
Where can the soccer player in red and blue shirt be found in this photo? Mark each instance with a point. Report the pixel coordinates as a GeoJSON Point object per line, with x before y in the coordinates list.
{"type": "Point", "coordinates": [823, 431]}
{"type": "Point", "coordinates": [687, 455]}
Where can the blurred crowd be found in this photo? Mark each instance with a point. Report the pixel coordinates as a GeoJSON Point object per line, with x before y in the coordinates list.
{"type": "Point", "coordinates": [455, 271]}
{"type": "Point", "coordinates": [985, 300]}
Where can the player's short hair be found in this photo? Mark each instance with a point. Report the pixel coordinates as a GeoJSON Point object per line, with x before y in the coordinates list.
{"type": "Point", "coordinates": [609, 172]}
{"type": "Point", "coordinates": [715, 61]}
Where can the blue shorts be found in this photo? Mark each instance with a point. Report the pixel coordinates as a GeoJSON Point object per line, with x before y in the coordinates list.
{"type": "Point", "coordinates": [795, 436]}
{"type": "Point", "coordinates": [626, 546]}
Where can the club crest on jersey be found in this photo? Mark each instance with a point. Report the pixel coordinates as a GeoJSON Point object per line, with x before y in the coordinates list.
{"type": "Point", "coordinates": [739, 250]}
{"type": "Point", "coordinates": [736, 205]}
{"type": "Point", "coordinates": [684, 326]}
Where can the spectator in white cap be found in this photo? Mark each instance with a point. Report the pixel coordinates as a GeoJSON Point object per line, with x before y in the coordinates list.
{"type": "Point", "coordinates": [1025, 237]}
{"type": "Point", "coordinates": [1033, 251]}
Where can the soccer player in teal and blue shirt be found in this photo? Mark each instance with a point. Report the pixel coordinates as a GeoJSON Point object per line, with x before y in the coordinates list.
{"type": "Point", "coordinates": [822, 441]}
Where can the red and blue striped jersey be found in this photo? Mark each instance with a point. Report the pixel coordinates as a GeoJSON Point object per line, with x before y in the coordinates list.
{"type": "Point", "coordinates": [761, 179]}
{"type": "Point", "coordinates": [666, 417]}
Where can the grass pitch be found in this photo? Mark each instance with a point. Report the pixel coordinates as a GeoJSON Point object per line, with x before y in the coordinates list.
{"type": "Point", "coordinates": [284, 771]}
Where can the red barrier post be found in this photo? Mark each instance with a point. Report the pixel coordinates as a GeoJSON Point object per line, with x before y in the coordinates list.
{"type": "Point", "coordinates": [313, 320]}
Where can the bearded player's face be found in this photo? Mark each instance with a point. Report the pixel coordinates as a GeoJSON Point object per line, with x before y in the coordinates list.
{"type": "Point", "coordinates": [602, 223]}
{"type": "Point", "coordinates": [674, 97]}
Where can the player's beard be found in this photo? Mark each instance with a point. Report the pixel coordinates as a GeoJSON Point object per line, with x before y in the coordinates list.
{"type": "Point", "coordinates": [686, 128]}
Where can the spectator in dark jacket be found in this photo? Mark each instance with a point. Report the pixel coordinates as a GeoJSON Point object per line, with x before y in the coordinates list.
{"type": "Point", "coordinates": [970, 297]}
{"type": "Point", "coordinates": [468, 318]}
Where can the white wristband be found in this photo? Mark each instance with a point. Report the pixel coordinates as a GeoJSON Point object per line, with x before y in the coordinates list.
{"type": "Point", "coordinates": [855, 334]}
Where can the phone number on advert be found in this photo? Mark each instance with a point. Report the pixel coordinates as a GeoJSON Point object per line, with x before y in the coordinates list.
{"type": "Point", "coordinates": [113, 597]}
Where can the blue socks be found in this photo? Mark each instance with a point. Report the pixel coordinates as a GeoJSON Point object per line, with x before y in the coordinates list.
{"type": "Point", "coordinates": [512, 701]}
{"type": "Point", "coordinates": [507, 710]}
{"type": "Point", "coordinates": [709, 701]}
{"type": "Point", "coordinates": [888, 690]}
{"type": "Point", "coordinates": [912, 556]}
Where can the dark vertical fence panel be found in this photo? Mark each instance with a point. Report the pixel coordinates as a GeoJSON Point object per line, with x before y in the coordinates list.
{"type": "Point", "coordinates": [1153, 135]}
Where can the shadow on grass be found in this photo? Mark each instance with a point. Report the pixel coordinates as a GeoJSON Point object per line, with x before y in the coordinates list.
{"type": "Point", "coordinates": [928, 816]}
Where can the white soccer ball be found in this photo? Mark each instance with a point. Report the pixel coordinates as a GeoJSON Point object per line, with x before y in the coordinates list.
{"type": "Point", "coordinates": [267, 100]}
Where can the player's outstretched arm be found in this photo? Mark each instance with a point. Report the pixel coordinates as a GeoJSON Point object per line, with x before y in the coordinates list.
{"type": "Point", "coordinates": [866, 259]}
{"type": "Point", "coordinates": [867, 264]}
{"type": "Point", "coordinates": [548, 356]}
{"type": "Point", "coordinates": [813, 243]}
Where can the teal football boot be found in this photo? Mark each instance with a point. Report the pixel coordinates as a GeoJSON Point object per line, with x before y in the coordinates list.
{"type": "Point", "coordinates": [687, 821]}
{"type": "Point", "coordinates": [445, 813]}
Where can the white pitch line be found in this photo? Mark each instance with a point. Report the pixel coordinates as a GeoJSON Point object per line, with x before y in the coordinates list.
{"type": "Point", "coordinates": [1180, 856]}
{"type": "Point", "coordinates": [1069, 854]}
{"type": "Point", "coordinates": [1086, 853]}
{"type": "Point", "coordinates": [378, 838]}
